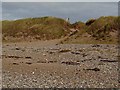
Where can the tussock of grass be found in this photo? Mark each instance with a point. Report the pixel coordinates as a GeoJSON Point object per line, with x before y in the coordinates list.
{"type": "Point", "coordinates": [78, 25]}
{"type": "Point", "coordinates": [89, 22]}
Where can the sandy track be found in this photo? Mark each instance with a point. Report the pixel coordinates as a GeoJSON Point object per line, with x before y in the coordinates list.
{"type": "Point", "coordinates": [45, 64]}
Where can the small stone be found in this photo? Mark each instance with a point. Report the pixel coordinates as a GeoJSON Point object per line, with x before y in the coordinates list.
{"type": "Point", "coordinates": [33, 72]}
{"type": "Point", "coordinates": [44, 54]}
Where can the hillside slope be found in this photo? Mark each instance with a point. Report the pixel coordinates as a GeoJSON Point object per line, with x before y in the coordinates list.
{"type": "Point", "coordinates": [101, 30]}
{"type": "Point", "coordinates": [35, 28]}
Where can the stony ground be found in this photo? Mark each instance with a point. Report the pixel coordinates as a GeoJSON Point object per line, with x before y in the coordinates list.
{"type": "Point", "coordinates": [45, 65]}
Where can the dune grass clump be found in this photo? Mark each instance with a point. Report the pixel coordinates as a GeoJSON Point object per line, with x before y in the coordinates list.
{"type": "Point", "coordinates": [78, 25]}
{"type": "Point", "coordinates": [89, 22]}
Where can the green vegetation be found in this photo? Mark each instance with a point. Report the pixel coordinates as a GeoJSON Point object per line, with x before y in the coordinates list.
{"type": "Point", "coordinates": [89, 22]}
{"type": "Point", "coordinates": [78, 25]}
{"type": "Point", "coordinates": [47, 27]}
{"type": "Point", "coordinates": [101, 30]}
{"type": "Point", "coordinates": [102, 26]}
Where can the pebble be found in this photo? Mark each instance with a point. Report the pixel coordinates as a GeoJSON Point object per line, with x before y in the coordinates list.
{"type": "Point", "coordinates": [89, 56]}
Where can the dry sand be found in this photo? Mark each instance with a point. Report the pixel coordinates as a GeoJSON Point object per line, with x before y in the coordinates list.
{"type": "Point", "coordinates": [44, 64]}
